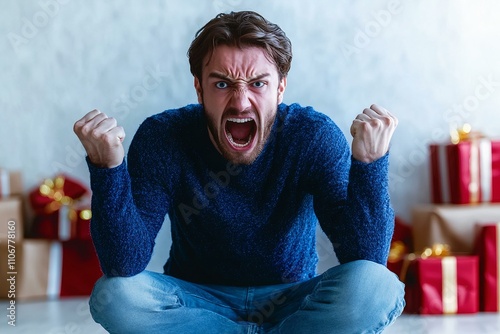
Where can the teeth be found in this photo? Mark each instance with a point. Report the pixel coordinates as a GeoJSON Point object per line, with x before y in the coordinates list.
{"type": "Point", "coordinates": [240, 120]}
{"type": "Point", "coordinates": [230, 137]}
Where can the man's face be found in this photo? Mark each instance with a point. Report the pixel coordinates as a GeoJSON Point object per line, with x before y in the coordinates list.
{"type": "Point", "coordinates": [240, 92]}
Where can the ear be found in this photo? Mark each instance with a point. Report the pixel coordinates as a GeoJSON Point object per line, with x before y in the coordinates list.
{"type": "Point", "coordinates": [281, 89]}
{"type": "Point", "coordinates": [199, 90]}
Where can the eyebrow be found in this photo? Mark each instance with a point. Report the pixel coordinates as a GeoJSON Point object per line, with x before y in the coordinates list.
{"type": "Point", "coordinates": [226, 78]}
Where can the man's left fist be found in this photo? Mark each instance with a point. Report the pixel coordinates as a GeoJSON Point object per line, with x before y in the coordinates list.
{"type": "Point", "coordinates": [372, 132]}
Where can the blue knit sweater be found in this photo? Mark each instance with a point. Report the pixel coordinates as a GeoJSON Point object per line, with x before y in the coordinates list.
{"type": "Point", "coordinates": [239, 224]}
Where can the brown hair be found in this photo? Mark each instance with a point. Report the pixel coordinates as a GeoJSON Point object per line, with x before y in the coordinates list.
{"type": "Point", "coordinates": [241, 29]}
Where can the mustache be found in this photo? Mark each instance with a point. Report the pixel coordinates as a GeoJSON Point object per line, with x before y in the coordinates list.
{"type": "Point", "coordinates": [237, 112]}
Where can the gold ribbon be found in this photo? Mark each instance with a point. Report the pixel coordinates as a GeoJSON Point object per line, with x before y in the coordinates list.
{"type": "Point", "coordinates": [450, 290]}
{"type": "Point", "coordinates": [54, 189]}
{"type": "Point", "coordinates": [474, 172]}
{"type": "Point", "coordinates": [465, 133]}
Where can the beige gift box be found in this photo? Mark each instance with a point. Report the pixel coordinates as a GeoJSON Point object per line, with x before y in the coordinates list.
{"type": "Point", "coordinates": [28, 274]}
{"type": "Point", "coordinates": [454, 225]}
{"type": "Point", "coordinates": [11, 219]}
{"type": "Point", "coordinates": [47, 269]}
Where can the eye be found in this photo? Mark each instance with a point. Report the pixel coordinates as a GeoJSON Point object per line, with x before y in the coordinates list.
{"type": "Point", "coordinates": [221, 84]}
{"type": "Point", "coordinates": [258, 84]}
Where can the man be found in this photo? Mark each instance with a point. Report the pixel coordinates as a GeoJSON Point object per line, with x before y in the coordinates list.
{"type": "Point", "coordinates": [244, 179]}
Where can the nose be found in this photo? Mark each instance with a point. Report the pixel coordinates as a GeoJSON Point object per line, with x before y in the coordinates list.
{"type": "Point", "coordinates": [240, 99]}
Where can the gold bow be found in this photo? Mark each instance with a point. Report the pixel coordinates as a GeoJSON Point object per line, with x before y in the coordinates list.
{"type": "Point", "coordinates": [54, 189]}
{"type": "Point", "coordinates": [464, 133]}
{"type": "Point", "coordinates": [397, 251]}
{"type": "Point", "coordinates": [85, 214]}
{"type": "Point", "coordinates": [437, 250]}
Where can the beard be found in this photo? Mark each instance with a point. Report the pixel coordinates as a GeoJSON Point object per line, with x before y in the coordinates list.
{"type": "Point", "coordinates": [217, 136]}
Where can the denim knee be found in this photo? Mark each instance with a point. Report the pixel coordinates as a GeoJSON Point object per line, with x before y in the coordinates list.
{"type": "Point", "coordinates": [367, 278]}
{"type": "Point", "coordinates": [111, 295]}
{"type": "Point", "coordinates": [115, 300]}
{"type": "Point", "coordinates": [370, 293]}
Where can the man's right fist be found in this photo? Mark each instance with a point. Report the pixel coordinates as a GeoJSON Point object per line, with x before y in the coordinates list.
{"type": "Point", "coordinates": [102, 139]}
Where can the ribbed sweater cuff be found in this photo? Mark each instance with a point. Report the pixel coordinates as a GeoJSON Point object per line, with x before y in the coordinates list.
{"type": "Point", "coordinates": [105, 182]}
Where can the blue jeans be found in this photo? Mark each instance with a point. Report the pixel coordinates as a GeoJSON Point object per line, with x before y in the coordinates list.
{"type": "Point", "coordinates": [357, 297]}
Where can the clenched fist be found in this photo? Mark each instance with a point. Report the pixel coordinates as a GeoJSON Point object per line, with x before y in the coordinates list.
{"type": "Point", "coordinates": [102, 139]}
{"type": "Point", "coordinates": [372, 132]}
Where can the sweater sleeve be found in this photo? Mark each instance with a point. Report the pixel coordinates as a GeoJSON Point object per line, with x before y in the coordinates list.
{"type": "Point", "coordinates": [129, 204]}
{"type": "Point", "coordinates": [351, 199]}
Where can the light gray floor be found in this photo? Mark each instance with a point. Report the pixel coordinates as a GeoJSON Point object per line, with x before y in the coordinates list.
{"type": "Point", "coordinates": [71, 316]}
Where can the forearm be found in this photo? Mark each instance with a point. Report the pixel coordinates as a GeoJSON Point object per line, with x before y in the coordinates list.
{"type": "Point", "coordinates": [122, 241]}
{"type": "Point", "coordinates": [368, 215]}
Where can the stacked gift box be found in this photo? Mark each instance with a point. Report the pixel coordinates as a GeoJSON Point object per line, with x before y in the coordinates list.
{"type": "Point", "coordinates": [453, 266]}
{"type": "Point", "coordinates": [56, 258]}
{"type": "Point", "coordinates": [11, 226]}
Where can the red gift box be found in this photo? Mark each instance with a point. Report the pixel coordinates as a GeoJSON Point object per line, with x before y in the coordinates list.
{"type": "Point", "coordinates": [80, 268]}
{"type": "Point", "coordinates": [65, 224]}
{"type": "Point", "coordinates": [442, 285]}
{"type": "Point", "coordinates": [401, 245]}
{"type": "Point", "coordinates": [489, 254]}
{"type": "Point", "coordinates": [62, 209]}
{"type": "Point", "coordinates": [467, 172]}
{"type": "Point", "coordinates": [52, 194]}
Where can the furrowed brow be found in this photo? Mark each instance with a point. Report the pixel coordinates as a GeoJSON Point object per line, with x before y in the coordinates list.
{"type": "Point", "coordinates": [260, 77]}
{"type": "Point", "coordinates": [219, 76]}
{"type": "Point", "coordinates": [226, 78]}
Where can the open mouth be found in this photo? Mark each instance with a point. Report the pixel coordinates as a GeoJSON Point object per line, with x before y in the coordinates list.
{"type": "Point", "coordinates": [240, 132]}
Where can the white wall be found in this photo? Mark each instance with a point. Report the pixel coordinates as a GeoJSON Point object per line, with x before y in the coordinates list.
{"type": "Point", "coordinates": [430, 62]}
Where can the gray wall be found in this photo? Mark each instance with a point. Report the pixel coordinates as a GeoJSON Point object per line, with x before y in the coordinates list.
{"type": "Point", "coordinates": [432, 63]}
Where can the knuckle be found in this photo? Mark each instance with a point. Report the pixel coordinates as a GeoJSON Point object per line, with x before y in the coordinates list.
{"type": "Point", "coordinates": [365, 126]}
{"type": "Point", "coordinates": [377, 122]}
{"type": "Point", "coordinates": [387, 120]}
{"type": "Point", "coordinates": [94, 133]}
{"type": "Point", "coordinates": [86, 130]}
{"type": "Point", "coordinates": [108, 138]}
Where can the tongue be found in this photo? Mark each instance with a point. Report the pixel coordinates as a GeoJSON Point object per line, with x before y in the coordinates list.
{"type": "Point", "coordinates": [239, 131]}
